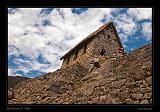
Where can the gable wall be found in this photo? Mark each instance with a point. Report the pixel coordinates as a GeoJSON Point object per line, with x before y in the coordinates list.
{"type": "Point", "coordinates": [94, 46]}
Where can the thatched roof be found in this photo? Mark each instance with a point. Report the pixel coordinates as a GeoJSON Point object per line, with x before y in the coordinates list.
{"type": "Point", "coordinates": [89, 38]}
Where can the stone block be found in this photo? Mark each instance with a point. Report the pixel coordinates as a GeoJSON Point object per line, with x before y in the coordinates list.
{"type": "Point", "coordinates": [144, 84]}
{"type": "Point", "coordinates": [144, 101]}
{"type": "Point", "coordinates": [150, 101]}
{"type": "Point", "coordinates": [10, 95]}
{"type": "Point", "coordinates": [124, 94]}
{"type": "Point", "coordinates": [145, 90]}
{"type": "Point", "coordinates": [129, 101]}
{"type": "Point", "coordinates": [57, 87]}
{"type": "Point", "coordinates": [147, 95]}
{"type": "Point", "coordinates": [119, 83]}
{"type": "Point", "coordinates": [115, 92]}
{"type": "Point", "coordinates": [149, 80]}
{"type": "Point", "coordinates": [136, 102]}
{"type": "Point", "coordinates": [137, 96]}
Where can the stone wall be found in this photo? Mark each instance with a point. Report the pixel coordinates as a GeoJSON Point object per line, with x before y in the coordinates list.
{"type": "Point", "coordinates": [106, 39]}
{"type": "Point", "coordinates": [126, 80]}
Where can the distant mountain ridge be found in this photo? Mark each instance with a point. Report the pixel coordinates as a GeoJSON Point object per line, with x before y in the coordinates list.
{"type": "Point", "coordinates": [14, 80]}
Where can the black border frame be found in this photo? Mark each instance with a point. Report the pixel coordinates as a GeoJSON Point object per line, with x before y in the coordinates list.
{"type": "Point", "coordinates": [84, 107]}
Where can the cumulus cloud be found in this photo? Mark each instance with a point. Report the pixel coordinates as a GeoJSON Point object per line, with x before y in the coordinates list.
{"type": "Point", "coordinates": [140, 13]}
{"type": "Point", "coordinates": [147, 30]}
{"type": "Point", "coordinates": [53, 32]}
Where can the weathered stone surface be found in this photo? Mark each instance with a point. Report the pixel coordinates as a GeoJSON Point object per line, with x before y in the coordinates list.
{"type": "Point", "coordinates": [129, 101]}
{"type": "Point", "coordinates": [57, 87]}
{"type": "Point", "coordinates": [123, 88]}
{"type": "Point", "coordinates": [105, 85]}
{"type": "Point", "coordinates": [148, 73]}
{"type": "Point", "coordinates": [149, 80]}
{"type": "Point", "coordinates": [125, 94]}
{"type": "Point", "coordinates": [151, 101]}
{"type": "Point", "coordinates": [12, 102]}
{"type": "Point", "coordinates": [144, 84]}
{"type": "Point", "coordinates": [129, 82]}
{"type": "Point", "coordinates": [138, 75]}
{"type": "Point", "coordinates": [145, 90]}
{"type": "Point", "coordinates": [14, 80]}
{"type": "Point", "coordinates": [136, 102]}
{"type": "Point", "coordinates": [138, 83]}
{"type": "Point", "coordinates": [102, 88]}
{"type": "Point", "coordinates": [147, 95]}
{"type": "Point", "coordinates": [103, 99]}
{"type": "Point", "coordinates": [118, 84]}
{"type": "Point", "coordinates": [15, 100]}
{"type": "Point", "coordinates": [115, 101]}
{"type": "Point", "coordinates": [86, 50]}
{"type": "Point", "coordinates": [10, 95]}
{"type": "Point", "coordinates": [137, 96]}
{"type": "Point", "coordinates": [136, 90]}
{"type": "Point", "coordinates": [144, 101]}
{"type": "Point", "coordinates": [115, 92]}
{"type": "Point", "coordinates": [75, 72]}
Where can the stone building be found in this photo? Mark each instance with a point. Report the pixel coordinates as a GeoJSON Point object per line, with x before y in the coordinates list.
{"type": "Point", "coordinates": [117, 80]}
{"type": "Point", "coordinates": [104, 40]}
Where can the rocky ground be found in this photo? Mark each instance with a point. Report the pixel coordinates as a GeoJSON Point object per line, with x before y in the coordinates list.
{"type": "Point", "coordinates": [14, 80]}
{"type": "Point", "coordinates": [126, 80]}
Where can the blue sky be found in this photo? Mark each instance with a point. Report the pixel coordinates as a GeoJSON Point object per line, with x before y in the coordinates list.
{"type": "Point", "coordinates": [38, 37]}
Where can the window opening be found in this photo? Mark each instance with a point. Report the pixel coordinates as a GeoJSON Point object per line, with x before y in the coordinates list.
{"type": "Point", "coordinates": [75, 56]}
{"type": "Point", "coordinates": [103, 51]}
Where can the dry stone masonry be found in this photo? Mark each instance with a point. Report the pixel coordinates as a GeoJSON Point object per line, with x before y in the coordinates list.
{"type": "Point", "coordinates": [118, 78]}
{"type": "Point", "coordinates": [105, 38]}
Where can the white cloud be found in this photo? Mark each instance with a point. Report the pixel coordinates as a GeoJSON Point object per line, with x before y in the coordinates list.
{"type": "Point", "coordinates": [11, 73]}
{"type": "Point", "coordinates": [127, 23]}
{"type": "Point", "coordinates": [123, 37]}
{"type": "Point", "coordinates": [147, 30]}
{"type": "Point", "coordinates": [141, 13]}
{"type": "Point", "coordinates": [125, 26]}
{"type": "Point", "coordinates": [66, 31]}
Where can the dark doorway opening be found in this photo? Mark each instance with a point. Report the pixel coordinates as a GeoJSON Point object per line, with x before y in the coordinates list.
{"type": "Point", "coordinates": [103, 51]}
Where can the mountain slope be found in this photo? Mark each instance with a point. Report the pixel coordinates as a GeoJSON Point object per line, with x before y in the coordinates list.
{"type": "Point", "coordinates": [126, 80]}
{"type": "Point", "coordinates": [14, 80]}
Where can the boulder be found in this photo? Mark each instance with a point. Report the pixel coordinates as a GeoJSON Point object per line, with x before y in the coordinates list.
{"type": "Point", "coordinates": [149, 80]}
{"type": "Point", "coordinates": [147, 95]}
{"type": "Point", "coordinates": [129, 101]}
{"type": "Point", "coordinates": [10, 95]}
{"type": "Point", "coordinates": [137, 96]}
{"type": "Point", "coordinates": [144, 101]}
{"type": "Point", "coordinates": [57, 87]}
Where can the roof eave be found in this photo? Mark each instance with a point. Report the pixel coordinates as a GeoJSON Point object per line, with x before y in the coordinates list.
{"type": "Point", "coordinates": [87, 38]}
